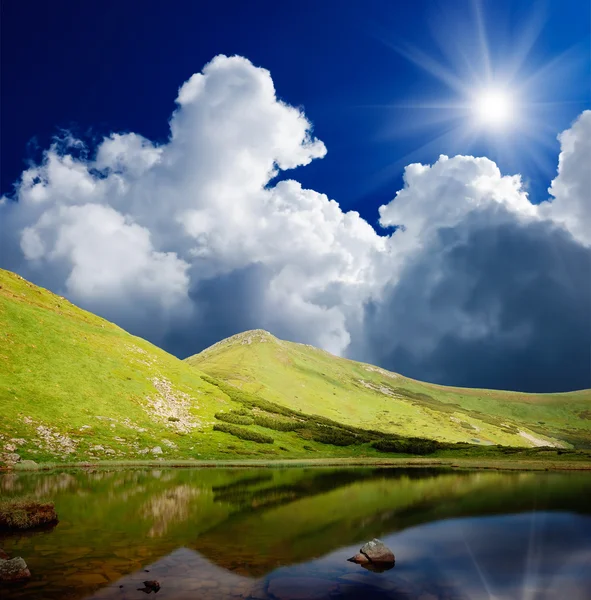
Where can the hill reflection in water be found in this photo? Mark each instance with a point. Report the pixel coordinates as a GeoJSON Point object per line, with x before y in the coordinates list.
{"type": "Point", "coordinates": [286, 533]}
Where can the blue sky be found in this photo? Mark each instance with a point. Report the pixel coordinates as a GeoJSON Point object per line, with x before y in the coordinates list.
{"type": "Point", "coordinates": [117, 67]}
{"type": "Point", "coordinates": [188, 170]}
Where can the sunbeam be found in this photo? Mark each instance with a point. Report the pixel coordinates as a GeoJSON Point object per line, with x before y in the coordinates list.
{"type": "Point", "coordinates": [498, 94]}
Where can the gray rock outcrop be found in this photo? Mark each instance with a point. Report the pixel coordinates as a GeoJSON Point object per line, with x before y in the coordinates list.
{"type": "Point", "coordinates": [14, 569]}
{"type": "Point", "coordinates": [374, 556]}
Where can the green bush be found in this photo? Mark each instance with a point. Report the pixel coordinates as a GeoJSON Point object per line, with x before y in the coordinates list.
{"type": "Point", "coordinates": [329, 435]}
{"type": "Point", "coordinates": [407, 446]}
{"type": "Point", "coordinates": [243, 434]}
{"type": "Point", "coordinates": [234, 417]}
{"type": "Point", "coordinates": [277, 424]}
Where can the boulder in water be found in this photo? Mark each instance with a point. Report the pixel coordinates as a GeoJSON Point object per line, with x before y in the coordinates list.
{"type": "Point", "coordinates": [374, 556]}
{"type": "Point", "coordinates": [150, 586]}
{"type": "Point", "coordinates": [359, 559]}
{"type": "Point", "coordinates": [377, 552]}
{"type": "Point", "coordinates": [14, 569]}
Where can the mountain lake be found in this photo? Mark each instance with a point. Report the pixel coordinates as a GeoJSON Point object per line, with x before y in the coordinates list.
{"type": "Point", "coordinates": [286, 534]}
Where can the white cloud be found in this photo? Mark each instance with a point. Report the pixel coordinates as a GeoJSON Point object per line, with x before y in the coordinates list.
{"type": "Point", "coordinates": [194, 231]}
{"type": "Point", "coordinates": [490, 290]}
{"type": "Point", "coordinates": [572, 188]}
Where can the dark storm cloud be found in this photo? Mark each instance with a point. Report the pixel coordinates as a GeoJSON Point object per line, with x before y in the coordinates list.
{"type": "Point", "coordinates": [504, 306]}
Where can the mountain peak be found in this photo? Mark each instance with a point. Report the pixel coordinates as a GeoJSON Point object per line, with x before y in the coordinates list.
{"type": "Point", "coordinates": [252, 336]}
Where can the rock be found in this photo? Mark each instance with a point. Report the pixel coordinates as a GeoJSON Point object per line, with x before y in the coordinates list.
{"type": "Point", "coordinates": [374, 556]}
{"type": "Point", "coordinates": [378, 567]}
{"type": "Point", "coordinates": [359, 559]}
{"type": "Point", "coordinates": [28, 464]}
{"type": "Point", "coordinates": [377, 552]}
{"type": "Point", "coordinates": [11, 458]}
{"type": "Point", "coordinates": [14, 569]}
{"type": "Point", "coordinates": [156, 450]}
{"type": "Point", "coordinates": [150, 586]}
{"type": "Point", "coordinates": [21, 515]}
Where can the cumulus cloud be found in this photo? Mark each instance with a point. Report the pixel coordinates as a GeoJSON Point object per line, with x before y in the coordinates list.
{"type": "Point", "coordinates": [190, 241]}
{"type": "Point", "coordinates": [493, 290]}
{"type": "Point", "coordinates": [572, 188]}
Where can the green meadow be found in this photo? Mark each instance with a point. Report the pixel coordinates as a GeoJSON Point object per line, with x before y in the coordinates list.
{"type": "Point", "coordinates": [76, 389]}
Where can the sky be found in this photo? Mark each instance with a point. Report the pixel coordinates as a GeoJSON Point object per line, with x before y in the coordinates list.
{"type": "Point", "coordinates": [400, 183]}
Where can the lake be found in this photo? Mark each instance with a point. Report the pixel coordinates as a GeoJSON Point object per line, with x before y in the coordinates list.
{"type": "Point", "coordinates": [286, 534]}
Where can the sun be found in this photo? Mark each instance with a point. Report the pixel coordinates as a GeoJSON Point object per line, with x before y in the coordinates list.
{"type": "Point", "coordinates": [493, 108]}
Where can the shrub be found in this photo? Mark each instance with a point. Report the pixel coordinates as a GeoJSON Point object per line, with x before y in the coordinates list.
{"type": "Point", "coordinates": [174, 419]}
{"type": "Point", "coordinates": [243, 434]}
{"type": "Point", "coordinates": [329, 435]}
{"type": "Point", "coordinates": [234, 417]}
{"type": "Point", "coordinates": [277, 424]}
{"type": "Point", "coordinates": [407, 446]}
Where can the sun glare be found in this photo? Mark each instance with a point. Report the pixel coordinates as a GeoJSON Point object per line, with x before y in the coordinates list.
{"type": "Point", "coordinates": [493, 108]}
{"type": "Point", "coordinates": [497, 93]}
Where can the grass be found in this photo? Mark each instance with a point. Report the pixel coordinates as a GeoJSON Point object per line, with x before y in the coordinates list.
{"type": "Point", "coordinates": [243, 433]}
{"type": "Point", "coordinates": [521, 459]}
{"type": "Point", "coordinates": [26, 514]}
{"type": "Point", "coordinates": [77, 389]}
{"type": "Point", "coordinates": [312, 381]}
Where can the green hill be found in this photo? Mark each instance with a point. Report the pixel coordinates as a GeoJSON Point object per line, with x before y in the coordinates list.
{"type": "Point", "coordinates": [310, 380]}
{"type": "Point", "coordinates": [74, 387]}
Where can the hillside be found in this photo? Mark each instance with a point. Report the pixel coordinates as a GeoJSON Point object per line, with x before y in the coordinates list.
{"type": "Point", "coordinates": [310, 380]}
{"type": "Point", "coordinates": [75, 387]}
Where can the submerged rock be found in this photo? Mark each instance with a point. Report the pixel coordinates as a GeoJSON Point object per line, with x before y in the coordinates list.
{"type": "Point", "coordinates": [359, 559]}
{"type": "Point", "coordinates": [20, 515]}
{"type": "Point", "coordinates": [377, 552]}
{"type": "Point", "coordinates": [14, 569]}
{"type": "Point", "coordinates": [374, 556]}
{"type": "Point", "coordinates": [150, 586]}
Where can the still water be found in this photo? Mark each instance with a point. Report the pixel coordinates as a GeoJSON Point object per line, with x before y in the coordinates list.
{"type": "Point", "coordinates": [285, 534]}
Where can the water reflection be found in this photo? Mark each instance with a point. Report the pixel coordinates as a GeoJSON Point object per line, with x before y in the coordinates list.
{"type": "Point", "coordinates": [286, 534]}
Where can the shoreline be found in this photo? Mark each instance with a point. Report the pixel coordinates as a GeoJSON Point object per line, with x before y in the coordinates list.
{"type": "Point", "coordinates": [448, 463]}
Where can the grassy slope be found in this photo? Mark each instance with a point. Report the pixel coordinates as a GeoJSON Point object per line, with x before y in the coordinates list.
{"type": "Point", "coordinates": [74, 387]}
{"type": "Point", "coordinates": [313, 381]}
{"type": "Point", "coordinates": [87, 383]}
